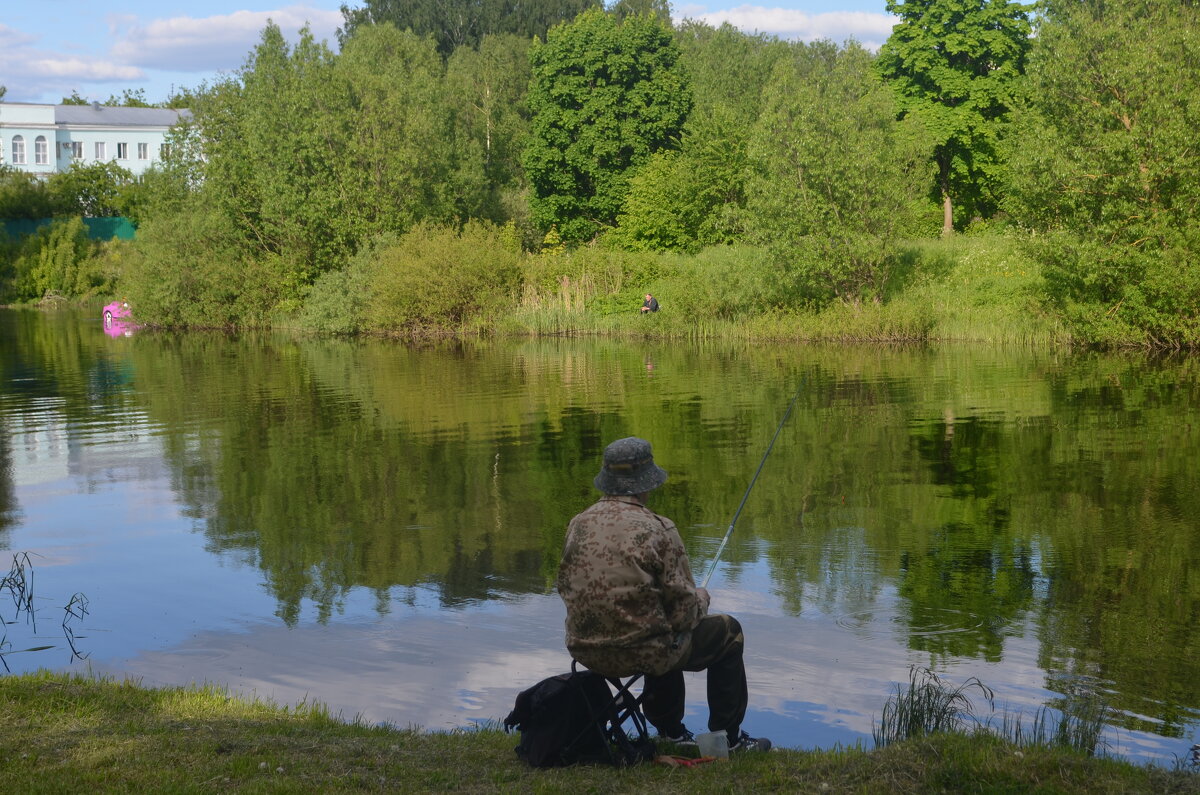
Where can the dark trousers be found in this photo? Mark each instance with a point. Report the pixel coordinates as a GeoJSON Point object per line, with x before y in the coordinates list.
{"type": "Point", "coordinates": [717, 645]}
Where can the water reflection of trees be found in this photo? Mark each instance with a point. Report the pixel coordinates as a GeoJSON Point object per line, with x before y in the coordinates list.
{"type": "Point", "coordinates": [42, 356]}
{"type": "Point", "coordinates": [978, 491]}
{"type": "Point", "coordinates": [8, 498]}
{"type": "Point", "coordinates": [1127, 551]}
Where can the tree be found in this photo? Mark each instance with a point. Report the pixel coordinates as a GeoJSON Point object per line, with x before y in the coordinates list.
{"type": "Point", "coordinates": [629, 8]}
{"type": "Point", "coordinates": [696, 198]}
{"type": "Point", "coordinates": [74, 99]}
{"type": "Point", "coordinates": [955, 65]}
{"type": "Point", "coordinates": [24, 195]}
{"type": "Point", "coordinates": [605, 96]}
{"type": "Point", "coordinates": [837, 179]}
{"type": "Point", "coordinates": [93, 190]}
{"type": "Point", "coordinates": [489, 86]}
{"type": "Point", "coordinates": [1106, 163]}
{"type": "Point", "coordinates": [410, 156]}
{"type": "Point", "coordinates": [307, 155]}
{"type": "Point", "coordinates": [166, 187]}
{"type": "Point", "coordinates": [458, 23]}
{"type": "Point", "coordinates": [130, 98]}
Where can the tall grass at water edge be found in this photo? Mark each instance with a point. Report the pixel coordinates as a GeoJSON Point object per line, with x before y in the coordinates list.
{"type": "Point", "coordinates": [472, 281]}
{"type": "Point", "coordinates": [930, 705]}
{"type": "Point", "coordinates": [969, 288]}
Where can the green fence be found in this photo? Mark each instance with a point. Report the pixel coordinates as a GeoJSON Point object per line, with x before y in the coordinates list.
{"type": "Point", "coordinates": [98, 228]}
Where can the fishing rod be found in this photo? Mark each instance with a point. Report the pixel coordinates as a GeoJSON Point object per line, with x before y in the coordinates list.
{"type": "Point", "coordinates": [712, 567]}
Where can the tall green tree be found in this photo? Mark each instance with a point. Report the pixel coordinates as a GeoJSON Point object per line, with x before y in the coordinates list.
{"type": "Point", "coordinates": [489, 86]}
{"type": "Point", "coordinates": [628, 8]}
{"type": "Point", "coordinates": [837, 179]}
{"type": "Point", "coordinates": [955, 65]}
{"type": "Point", "coordinates": [306, 155]}
{"type": "Point", "coordinates": [1106, 162]}
{"type": "Point", "coordinates": [458, 23]}
{"type": "Point", "coordinates": [696, 197]}
{"type": "Point", "coordinates": [409, 155]}
{"type": "Point", "coordinates": [605, 96]}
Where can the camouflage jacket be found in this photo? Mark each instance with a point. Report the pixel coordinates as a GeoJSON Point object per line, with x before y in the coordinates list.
{"type": "Point", "coordinates": [627, 584]}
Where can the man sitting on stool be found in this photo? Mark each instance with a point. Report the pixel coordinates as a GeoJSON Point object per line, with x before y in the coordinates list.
{"type": "Point", "coordinates": [633, 607]}
{"type": "Point", "coordinates": [650, 304]}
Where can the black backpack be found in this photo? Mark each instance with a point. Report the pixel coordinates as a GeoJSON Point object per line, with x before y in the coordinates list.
{"type": "Point", "coordinates": [570, 719]}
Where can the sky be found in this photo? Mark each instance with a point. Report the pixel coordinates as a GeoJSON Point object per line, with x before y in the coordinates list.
{"type": "Point", "coordinates": [51, 48]}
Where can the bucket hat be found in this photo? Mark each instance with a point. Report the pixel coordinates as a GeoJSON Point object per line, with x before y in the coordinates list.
{"type": "Point", "coordinates": [629, 468]}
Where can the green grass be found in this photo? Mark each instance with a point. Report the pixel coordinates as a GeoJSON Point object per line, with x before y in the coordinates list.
{"type": "Point", "coordinates": [73, 734]}
{"type": "Point", "coordinates": [980, 288]}
{"type": "Point", "coordinates": [971, 288]}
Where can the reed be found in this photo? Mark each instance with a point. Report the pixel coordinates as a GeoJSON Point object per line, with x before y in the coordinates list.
{"type": "Point", "coordinates": [928, 705]}
{"type": "Point", "coordinates": [1078, 726]}
{"type": "Point", "coordinates": [18, 584]}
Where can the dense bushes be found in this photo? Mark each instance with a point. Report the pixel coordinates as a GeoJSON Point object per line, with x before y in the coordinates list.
{"type": "Point", "coordinates": [436, 277]}
{"type": "Point", "coordinates": [431, 279]}
{"type": "Point", "coordinates": [838, 182]}
{"type": "Point", "coordinates": [59, 259]}
{"type": "Point", "coordinates": [189, 270]}
{"type": "Point", "coordinates": [56, 260]}
{"type": "Point", "coordinates": [24, 196]}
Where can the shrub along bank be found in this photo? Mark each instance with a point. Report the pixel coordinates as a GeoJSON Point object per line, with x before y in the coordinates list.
{"type": "Point", "coordinates": [435, 280]}
{"type": "Point", "coordinates": [73, 734]}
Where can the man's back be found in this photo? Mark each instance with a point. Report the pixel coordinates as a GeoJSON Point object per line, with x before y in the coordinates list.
{"type": "Point", "coordinates": [628, 588]}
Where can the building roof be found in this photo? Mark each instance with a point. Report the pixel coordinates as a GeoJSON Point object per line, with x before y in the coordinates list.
{"type": "Point", "coordinates": [110, 116]}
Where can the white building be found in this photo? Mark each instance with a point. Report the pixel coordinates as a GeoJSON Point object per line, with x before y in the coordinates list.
{"type": "Point", "coordinates": [43, 139]}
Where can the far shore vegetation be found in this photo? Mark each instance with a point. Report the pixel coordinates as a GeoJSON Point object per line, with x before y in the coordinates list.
{"type": "Point", "coordinates": [1026, 176]}
{"type": "Point", "coordinates": [71, 733]}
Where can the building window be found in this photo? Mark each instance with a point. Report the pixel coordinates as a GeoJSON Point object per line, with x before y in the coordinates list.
{"type": "Point", "coordinates": [77, 150]}
{"type": "Point", "coordinates": [101, 150]}
{"type": "Point", "coordinates": [41, 152]}
{"type": "Point", "coordinates": [18, 149]}
{"type": "Point", "coordinates": [122, 151]}
{"type": "Point", "coordinates": [143, 151]}
{"type": "Point", "coordinates": [164, 151]}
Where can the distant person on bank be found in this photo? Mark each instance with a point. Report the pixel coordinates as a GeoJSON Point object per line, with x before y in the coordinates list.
{"type": "Point", "coordinates": [633, 607]}
{"type": "Point", "coordinates": [650, 304]}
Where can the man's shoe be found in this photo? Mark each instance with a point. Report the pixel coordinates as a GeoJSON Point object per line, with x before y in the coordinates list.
{"type": "Point", "coordinates": [747, 743]}
{"type": "Point", "coordinates": [682, 738]}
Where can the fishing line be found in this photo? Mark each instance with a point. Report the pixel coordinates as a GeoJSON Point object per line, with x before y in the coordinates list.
{"type": "Point", "coordinates": [712, 567]}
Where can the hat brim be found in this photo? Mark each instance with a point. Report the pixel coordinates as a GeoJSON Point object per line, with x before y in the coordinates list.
{"type": "Point", "coordinates": [648, 478]}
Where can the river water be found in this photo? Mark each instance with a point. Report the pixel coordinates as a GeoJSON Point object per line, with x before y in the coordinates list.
{"type": "Point", "coordinates": [376, 526]}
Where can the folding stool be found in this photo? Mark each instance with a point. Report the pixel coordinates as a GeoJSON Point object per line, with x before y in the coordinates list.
{"type": "Point", "coordinates": [624, 707]}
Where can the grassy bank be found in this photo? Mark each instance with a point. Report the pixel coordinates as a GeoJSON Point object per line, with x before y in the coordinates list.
{"type": "Point", "coordinates": [475, 281]}
{"type": "Point", "coordinates": [71, 734]}
{"type": "Point", "coordinates": [982, 288]}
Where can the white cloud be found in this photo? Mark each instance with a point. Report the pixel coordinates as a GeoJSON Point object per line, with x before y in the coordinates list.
{"type": "Point", "coordinates": [31, 72]}
{"type": "Point", "coordinates": [11, 37]}
{"type": "Point", "coordinates": [86, 69]}
{"type": "Point", "coordinates": [869, 29]}
{"type": "Point", "coordinates": [190, 44]}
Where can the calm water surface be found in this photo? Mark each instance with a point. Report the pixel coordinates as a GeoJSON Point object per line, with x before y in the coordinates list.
{"type": "Point", "coordinates": [376, 526]}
